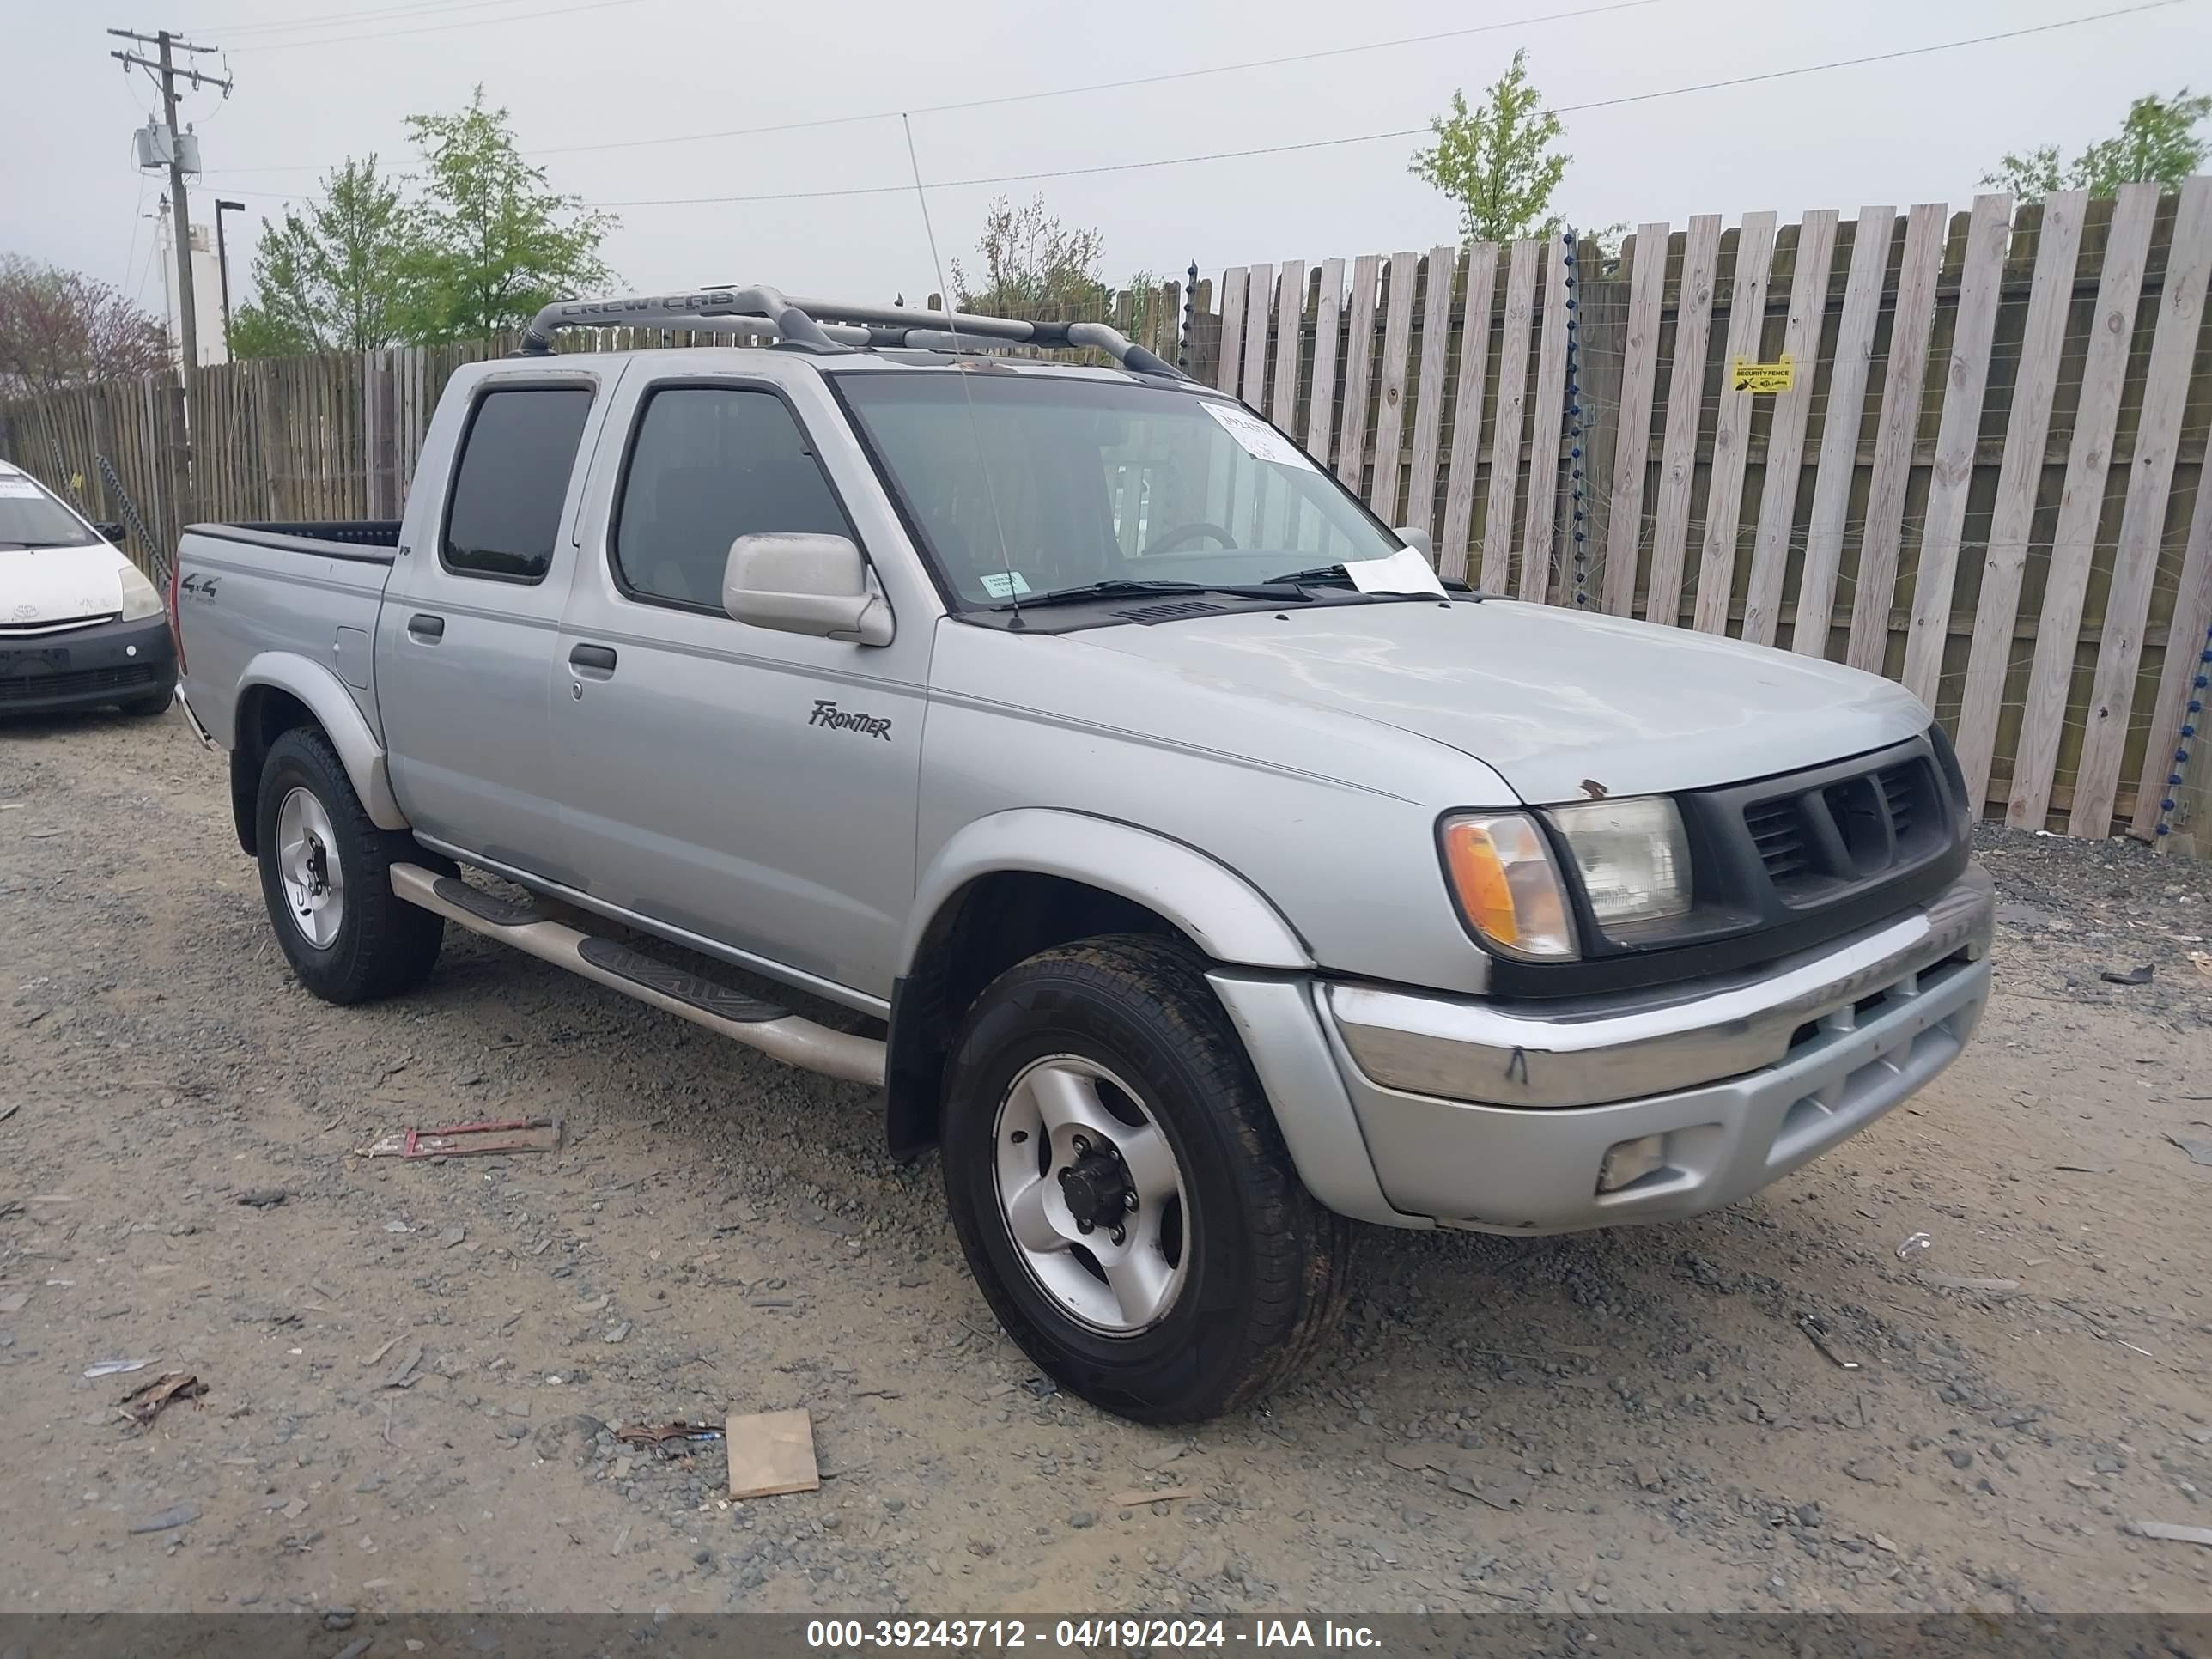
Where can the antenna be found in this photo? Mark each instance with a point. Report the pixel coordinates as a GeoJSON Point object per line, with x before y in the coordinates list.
{"type": "Point", "coordinates": [975, 426]}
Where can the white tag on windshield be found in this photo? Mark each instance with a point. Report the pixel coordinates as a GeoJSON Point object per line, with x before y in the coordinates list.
{"type": "Point", "coordinates": [1255, 437]}
{"type": "Point", "coordinates": [1404, 572]}
{"type": "Point", "coordinates": [1005, 584]}
{"type": "Point", "coordinates": [22, 487]}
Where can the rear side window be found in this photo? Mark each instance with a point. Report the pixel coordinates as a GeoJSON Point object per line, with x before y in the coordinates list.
{"type": "Point", "coordinates": [516, 456]}
{"type": "Point", "coordinates": [711, 464]}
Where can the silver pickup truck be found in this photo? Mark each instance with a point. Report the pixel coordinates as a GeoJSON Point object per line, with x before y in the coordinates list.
{"type": "Point", "coordinates": [1202, 875]}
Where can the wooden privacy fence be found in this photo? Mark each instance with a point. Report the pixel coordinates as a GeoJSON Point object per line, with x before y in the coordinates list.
{"type": "Point", "coordinates": [1984, 479]}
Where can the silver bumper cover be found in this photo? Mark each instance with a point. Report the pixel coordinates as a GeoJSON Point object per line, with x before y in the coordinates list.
{"type": "Point", "coordinates": [1500, 1118]}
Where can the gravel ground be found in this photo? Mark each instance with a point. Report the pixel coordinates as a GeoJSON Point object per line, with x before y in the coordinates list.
{"type": "Point", "coordinates": [412, 1368]}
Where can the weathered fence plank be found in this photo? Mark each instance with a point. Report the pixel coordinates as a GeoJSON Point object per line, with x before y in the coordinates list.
{"type": "Point", "coordinates": [1540, 524]}
{"type": "Point", "coordinates": [2074, 544]}
{"type": "Point", "coordinates": [2150, 474]}
{"type": "Point", "coordinates": [1512, 401]}
{"type": "Point", "coordinates": [1840, 431]}
{"type": "Point", "coordinates": [1359, 357]}
{"type": "Point", "coordinates": [1874, 587]}
{"type": "Point", "coordinates": [1639, 378]}
{"type": "Point", "coordinates": [2012, 514]}
{"type": "Point", "coordinates": [1988, 235]}
{"type": "Point", "coordinates": [1694, 312]}
{"type": "Point", "coordinates": [1328, 309]}
{"type": "Point", "coordinates": [1754, 261]}
{"type": "Point", "coordinates": [1429, 391]}
{"type": "Point", "coordinates": [1815, 256]}
{"type": "Point", "coordinates": [1467, 410]}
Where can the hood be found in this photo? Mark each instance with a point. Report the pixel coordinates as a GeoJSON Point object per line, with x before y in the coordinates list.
{"type": "Point", "coordinates": [44, 586]}
{"type": "Point", "coordinates": [1548, 698]}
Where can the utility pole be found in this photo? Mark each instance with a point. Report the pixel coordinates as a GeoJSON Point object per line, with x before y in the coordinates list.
{"type": "Point", "coordinates": [165, 67]}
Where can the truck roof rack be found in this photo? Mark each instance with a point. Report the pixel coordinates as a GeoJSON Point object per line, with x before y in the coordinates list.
{"type": "Point", "coordinates": [830, 326]}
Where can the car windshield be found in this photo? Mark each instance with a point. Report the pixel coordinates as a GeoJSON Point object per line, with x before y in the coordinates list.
{"type": "Point", "coordinates": [29, 517]}
{"type": "Point", "coordinates": [1058, 484]}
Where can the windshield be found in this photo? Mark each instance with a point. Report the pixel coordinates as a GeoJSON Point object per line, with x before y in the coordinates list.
{"type": "Point", "coordinates": [31, 517]}
{"type": "Point", "coordinates": [1091, 480]}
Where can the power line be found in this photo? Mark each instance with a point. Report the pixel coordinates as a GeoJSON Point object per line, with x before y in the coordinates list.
{"type": "Point", "coordinates": [1063, 92]}
{"type": "Point", "coordinates": [437, 28]}
{"type": "Point", "coordinates": [414, 8]}
{"type": "Point", "coordinates": [1395, 132]}
{"type": "Point", "coordinates": [1113, 86]}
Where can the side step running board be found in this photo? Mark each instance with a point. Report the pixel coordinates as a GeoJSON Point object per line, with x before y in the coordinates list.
{"type": "Point", "coordinates": [776, 1032]}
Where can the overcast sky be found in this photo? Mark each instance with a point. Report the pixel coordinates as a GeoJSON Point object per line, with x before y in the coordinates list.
{"type": "Point", "coordinates": [597, 72]}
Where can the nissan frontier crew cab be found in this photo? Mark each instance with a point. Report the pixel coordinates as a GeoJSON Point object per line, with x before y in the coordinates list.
{"type": "Point", "coordinates": [1202, 876]}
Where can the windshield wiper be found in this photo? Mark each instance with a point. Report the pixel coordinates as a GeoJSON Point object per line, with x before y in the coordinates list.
{"type": "Point", "coordinates": [32, 547]}
{"type": "Point", "coordinates": [1118, 586]}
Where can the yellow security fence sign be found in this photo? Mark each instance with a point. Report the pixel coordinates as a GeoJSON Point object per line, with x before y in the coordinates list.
{"type": "Point", "coordinates": [1762, 379]}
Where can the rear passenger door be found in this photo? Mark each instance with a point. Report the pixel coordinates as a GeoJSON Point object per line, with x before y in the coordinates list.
{"type": "Point", "coordinates": [750, 787]}
{"type": "Point", "coordinates": [464, 649]}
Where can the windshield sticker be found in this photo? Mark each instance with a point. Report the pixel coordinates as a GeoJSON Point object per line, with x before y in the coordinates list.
{"type": "Point", "coordinates": [1404, 572]}
{"type": "Point", "coordinates": [22, 488]}
{"type": "Point", "coordinates": [1256, 438]}
{"type": "Point", "coordinates": [1005, 584]}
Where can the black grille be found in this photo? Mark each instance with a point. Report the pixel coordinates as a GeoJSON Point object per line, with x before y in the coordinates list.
{"type": "Point", "coordinates": [1847, 832]}
{"type": "Point", "coordinates": [1900, 788]}
{"type": "Point", "coordinates": [37, 688]}
{"type": "Point", "coordinates": [1778, 832]}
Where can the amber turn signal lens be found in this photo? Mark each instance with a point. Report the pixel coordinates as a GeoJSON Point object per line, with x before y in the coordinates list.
{"type": "Point", "coordinates": [1501, 873]}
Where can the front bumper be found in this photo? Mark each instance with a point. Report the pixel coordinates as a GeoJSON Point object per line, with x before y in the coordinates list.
{"type": "Point", "coordinates": [109, 662]}
{"type": "Point", "coordinates": [1500, 1117]}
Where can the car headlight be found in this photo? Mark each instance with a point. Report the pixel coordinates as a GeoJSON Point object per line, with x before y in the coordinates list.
{"type": "Point", "coordinates": [140, 597]}
{"type": "Point", "coordinates": [1500, 870]}
{"type": "Point", "coordinates": [1632, 855]}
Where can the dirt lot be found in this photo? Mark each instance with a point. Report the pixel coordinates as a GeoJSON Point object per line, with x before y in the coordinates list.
{"type": "Point", "coordinates": [1634, 1421]}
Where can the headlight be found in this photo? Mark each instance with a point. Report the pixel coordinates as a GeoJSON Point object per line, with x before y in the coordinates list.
{"type": "Point", "coordinates": [139, 597]}
{"type": "Point", "coordinates": [1500, 869]}
{"type": "Point", "coordinates": [1633, 857]}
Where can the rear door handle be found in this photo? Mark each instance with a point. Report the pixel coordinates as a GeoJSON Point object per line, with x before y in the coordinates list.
{"type": "Point", "coordinates": [424, 627]}
{"type": "Point", "coordinates": [599, 657]}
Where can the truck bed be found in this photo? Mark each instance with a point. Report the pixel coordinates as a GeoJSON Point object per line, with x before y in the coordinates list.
{"type": "Point", "coordinates": [309, 589]}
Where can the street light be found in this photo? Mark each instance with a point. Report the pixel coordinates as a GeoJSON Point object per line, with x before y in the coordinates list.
{"type": "Point", "coordinates": [222, 263]}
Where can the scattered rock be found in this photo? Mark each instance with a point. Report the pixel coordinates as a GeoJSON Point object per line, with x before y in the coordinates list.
{"type": "Point", "coordinates": [263, 1198]}
{"type": "Point", "coordinates": [180, 1515]}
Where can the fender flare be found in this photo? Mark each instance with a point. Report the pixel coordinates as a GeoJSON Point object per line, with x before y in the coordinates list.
{"type": "Point", "coordinates": [327, 699]}
{"type": "Point", "coordinates": [1222, 913]}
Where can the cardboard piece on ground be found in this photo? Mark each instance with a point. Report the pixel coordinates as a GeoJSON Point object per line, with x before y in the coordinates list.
{"type": "Point", "coordinates": [771, 1453]}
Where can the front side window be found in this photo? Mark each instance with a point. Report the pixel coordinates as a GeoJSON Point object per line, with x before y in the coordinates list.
{"type": "Point", "coordinates": [711, 464]}
{"type": "Point", "coordinates": [1029, 485]}
{"type": "Point", "coordinates": [29, 517]}
{"type": "Point", "coordinates": [512, 479]}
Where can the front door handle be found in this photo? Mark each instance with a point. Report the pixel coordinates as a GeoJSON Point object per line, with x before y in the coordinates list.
{"type": "Point", "coordinates": [426, 627]}
{"type": "Point", "coordinates": [599, 657]}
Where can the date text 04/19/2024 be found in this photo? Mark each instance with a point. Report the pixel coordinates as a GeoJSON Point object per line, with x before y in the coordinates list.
{"type": "Point", "coordinates": [981, 1635]}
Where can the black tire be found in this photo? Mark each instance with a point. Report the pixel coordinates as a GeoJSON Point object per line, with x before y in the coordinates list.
{"type": "Point", "coordinates": [1269, 1268]}
{"type": "Point", "coordinates": [146, 707]}
{"type": "Point", "coordinates": [383, 945]}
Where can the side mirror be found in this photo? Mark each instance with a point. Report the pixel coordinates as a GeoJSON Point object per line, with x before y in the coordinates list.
{"type": "Point", "coordinates": [109, 531]}
{"type": "Point", "coordinates": [805, 584]}
{"type": "Point", "coordinates": [1414, 536]}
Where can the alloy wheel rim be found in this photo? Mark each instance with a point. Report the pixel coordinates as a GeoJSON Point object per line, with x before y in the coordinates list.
{"type": "Point", "coordinates": [308, 864]}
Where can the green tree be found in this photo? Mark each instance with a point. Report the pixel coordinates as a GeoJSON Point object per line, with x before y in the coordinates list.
{"type": "Point", "coordinates": [2157, 144]}
{"type": "Point", "coordinates": [1034, 266]}
{"type": "Point", "coordinates": [493, 243]}
{"type": "Point", "coordinates": [334, 277]}
{"type": "Point", "coordinates": [1497, 161]}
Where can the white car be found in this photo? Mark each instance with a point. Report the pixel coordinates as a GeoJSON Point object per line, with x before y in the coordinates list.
{"type": "Point", "coordinates": [80, 624]}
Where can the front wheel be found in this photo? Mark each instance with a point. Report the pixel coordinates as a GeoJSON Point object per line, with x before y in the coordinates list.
{"type": "Point", "coordinates": [327, 879]}
{"type": "Point", "coordinates": [1121, 1191]}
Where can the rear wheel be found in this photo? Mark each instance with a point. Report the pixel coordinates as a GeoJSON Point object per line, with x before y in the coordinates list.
{"type": "Point", "coordinates": [1121, 1191]}
{"type": "Point", "coordinates": [326, 877]}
